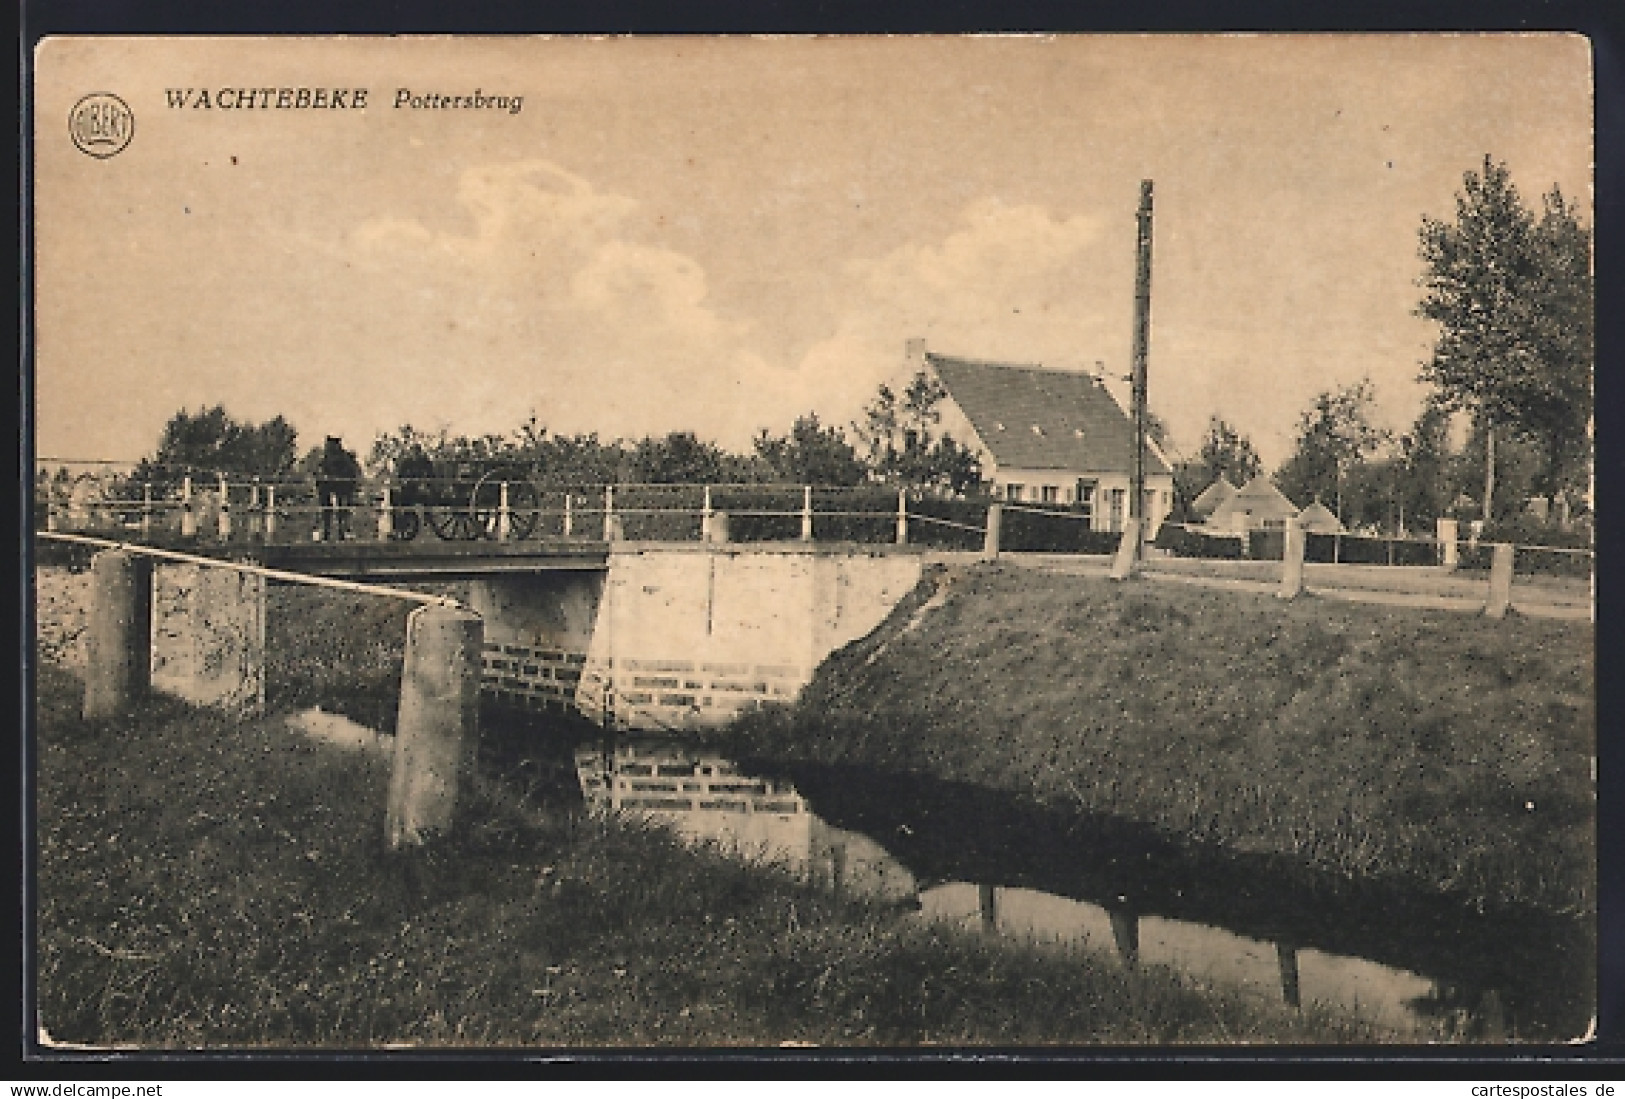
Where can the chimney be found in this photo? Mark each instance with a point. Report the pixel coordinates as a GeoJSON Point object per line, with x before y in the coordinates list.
{"type": "Point", "coordinates": [914, 355]}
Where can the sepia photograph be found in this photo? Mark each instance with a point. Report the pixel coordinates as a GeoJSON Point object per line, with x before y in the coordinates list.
{"type": "Point", "coordinates": [884, 543]}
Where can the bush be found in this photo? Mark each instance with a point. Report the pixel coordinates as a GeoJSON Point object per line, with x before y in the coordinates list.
{"type": "Point", "coordinates": [1353, 550]}
{"type": "Point", "coordinates": [1054, 532]}
{"type": "Point", "coordinates": [1184, 542]}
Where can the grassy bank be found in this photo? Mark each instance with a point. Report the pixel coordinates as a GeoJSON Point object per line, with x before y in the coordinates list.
{"type": "Point", "coordinates": [1364, 740]}
{"type": "Point", "coordinates": [211, 882]}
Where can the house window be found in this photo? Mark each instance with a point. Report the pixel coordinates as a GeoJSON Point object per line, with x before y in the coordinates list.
{"type": "Point", "coordinates": [1115, 514]}
{"type": "Point", "coordinates": [1052, 494]}
{"type": "Point", "coordinates": [1012, 491]}
{"type": "Point", "coordinates": [1084, 499]}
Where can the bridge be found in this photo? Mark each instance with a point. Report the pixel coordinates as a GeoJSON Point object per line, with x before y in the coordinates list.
{"type": "Point", "coordinates": [650, 607]}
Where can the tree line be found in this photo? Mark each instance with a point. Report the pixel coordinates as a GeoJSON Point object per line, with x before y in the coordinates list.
{"type": "Point", "coordinates": [898, 442]}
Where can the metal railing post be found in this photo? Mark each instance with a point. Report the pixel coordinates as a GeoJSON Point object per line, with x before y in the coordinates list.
{"type": "Point", "coordinates": [386, 513]}
{"type": "Point", "coordinates": [146, 509]}
{"type": "Point", "coordinates": [270, 512]}
{"type": "Point", "coordinates": [188, 516]}
{"type": "Point", "coordinates": [705, 516]}
{"type": "Point", "coordinates": [609, 513]}
{"type": "Point", "coordinates": [504, 516]}
{"type": "Point", "coordinates": [902, 517]}
{"type": "Point", "coordinates": [569, 519]}
{"type": "Point", "coordinates": [225, 510]}
{"type": "Point", "coordinates": [806, 513]}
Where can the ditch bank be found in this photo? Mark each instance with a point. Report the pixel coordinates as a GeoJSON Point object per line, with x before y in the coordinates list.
{"type": "Point", "coordinates": [1444, 753]}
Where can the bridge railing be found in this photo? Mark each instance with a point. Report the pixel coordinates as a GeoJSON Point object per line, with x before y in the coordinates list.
{"type": "Point", "coordinates": [227, 511]}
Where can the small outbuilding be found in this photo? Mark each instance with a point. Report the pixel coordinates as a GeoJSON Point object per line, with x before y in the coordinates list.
{"type": "Point", "coordinates": [1212, 498]}
{"type": "Point", "coordinates": [1259, 505]}
{"type": "Point", "coordinates": [1317, 518]}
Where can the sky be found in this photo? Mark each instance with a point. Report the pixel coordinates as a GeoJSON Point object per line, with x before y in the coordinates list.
{"type": "Point", "coordinates": [717, 235]}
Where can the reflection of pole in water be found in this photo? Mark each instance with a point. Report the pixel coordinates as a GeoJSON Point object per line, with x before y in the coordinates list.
{"type": "Point", "coordinates": [1287, 956]}
{"type": "Point", "coordinates": [1492, 1016]}
{"type": "Point", "coordinates": [989, 905]}
{"type": "Point", "coordinates": [1126, 933]}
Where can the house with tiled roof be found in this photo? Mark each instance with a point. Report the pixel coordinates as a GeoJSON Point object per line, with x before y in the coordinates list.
{"type": "Point", "coordinates": [1048, 437]}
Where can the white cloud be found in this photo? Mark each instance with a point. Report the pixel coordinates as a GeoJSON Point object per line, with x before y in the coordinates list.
{"type": "Point", "coordinates": [1009, 282]}
{"type": "Point", "coordinates": [544, 298]}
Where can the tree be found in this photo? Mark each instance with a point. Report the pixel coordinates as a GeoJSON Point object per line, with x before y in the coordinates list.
{"type": "Point", "coordinates": [810, 454]}
{"type": "Point", "coordinates": [1335, 435]}
{"type": "Point", "coordinates": [679, 458]}
{"type": "Point", "coordinates": [901, 445]}
{"type": "Point", "coordinates": [1513, 296]}
{"type": "Point", "coordinates": [1425, 490]}
{"type": "Point", "coordinates": [211, 441]}
{"type": "Point", "coordinates": [1226, 452]}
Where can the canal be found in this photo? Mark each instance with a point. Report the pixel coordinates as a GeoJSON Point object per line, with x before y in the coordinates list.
{"type": "Point", "coordinates": [1427, 965]}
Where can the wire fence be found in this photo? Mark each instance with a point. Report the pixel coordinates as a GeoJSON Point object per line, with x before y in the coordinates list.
{"type": "Point", "coordinates": [504, 507]}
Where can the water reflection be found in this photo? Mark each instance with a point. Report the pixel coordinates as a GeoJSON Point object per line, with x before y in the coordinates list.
{"type": "Point", "coordinates": [706, 798]}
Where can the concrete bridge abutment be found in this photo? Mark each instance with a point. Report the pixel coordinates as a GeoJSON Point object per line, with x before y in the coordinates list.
{"type": "Point", "coordinates": [538, 628]}
{"type": "Point", "coordinates": [690, 636]}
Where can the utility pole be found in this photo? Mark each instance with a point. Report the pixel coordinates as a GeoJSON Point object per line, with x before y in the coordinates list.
{"type": "Point", "coordinates": [1142, 341]}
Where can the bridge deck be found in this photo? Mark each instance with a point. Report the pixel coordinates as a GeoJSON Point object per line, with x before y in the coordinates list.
{"type": "Point", "coordinates": [435, 559]}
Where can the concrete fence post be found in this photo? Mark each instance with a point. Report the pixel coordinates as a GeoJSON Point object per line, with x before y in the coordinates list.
{"type": "Point", "coordinates": [1126, 934]}
{"type": "Point", "coordinates": [256, 517]}
{"type": "Point", "coordinates": [146, 510]}
{"type": "Point", "coordinates": [806, 513]}
{"type": "Point", "coordinates": [719, 528]}
{"type": "Point", "coordinates": [609, 513]}
{"type": "Point", "coordinates": [1286, 959]}
{"type": "Point", "coordinates": [225, 509]}
{"type": "Point", "coordinates": [437, 723]}
{"type": "Point", "coordinates": [705, 516]}
{"type": "Point", "coordinates": [270, 512]}
{"type": "Point", "coordinates": [118, 634]}
{"type": "Point", "coordinates": [569, 518]}
{"type": "Point", "coordinates": [1500, 600]}
{"type": "Point", "coordinates": [837, 869]}
{"type": "Point", "coordinates": [990, 537]}
{"type": "Point", "coordinates": [52, 523]}
{"type": "Point", "coordinates": [987, 904]}
{"type": "Point", "coordinates": [188, 516]}
{"type": "Point", "coordinates": [386, 513]}
{"type": "Point", "coordinates": [902, 517]}
{"type": "Point", "coordinates": [1126, 563]}
{"type": "Point", "coordinates": [1292, 561]}
{"type": "Point", "coordinates": [504, 514]}
{"type": "Point", "coordinates": [1449, 551]}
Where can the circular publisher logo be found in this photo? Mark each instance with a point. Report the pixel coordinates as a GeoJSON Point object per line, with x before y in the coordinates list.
{"type": "Point", "coordinates": [101, 125]}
